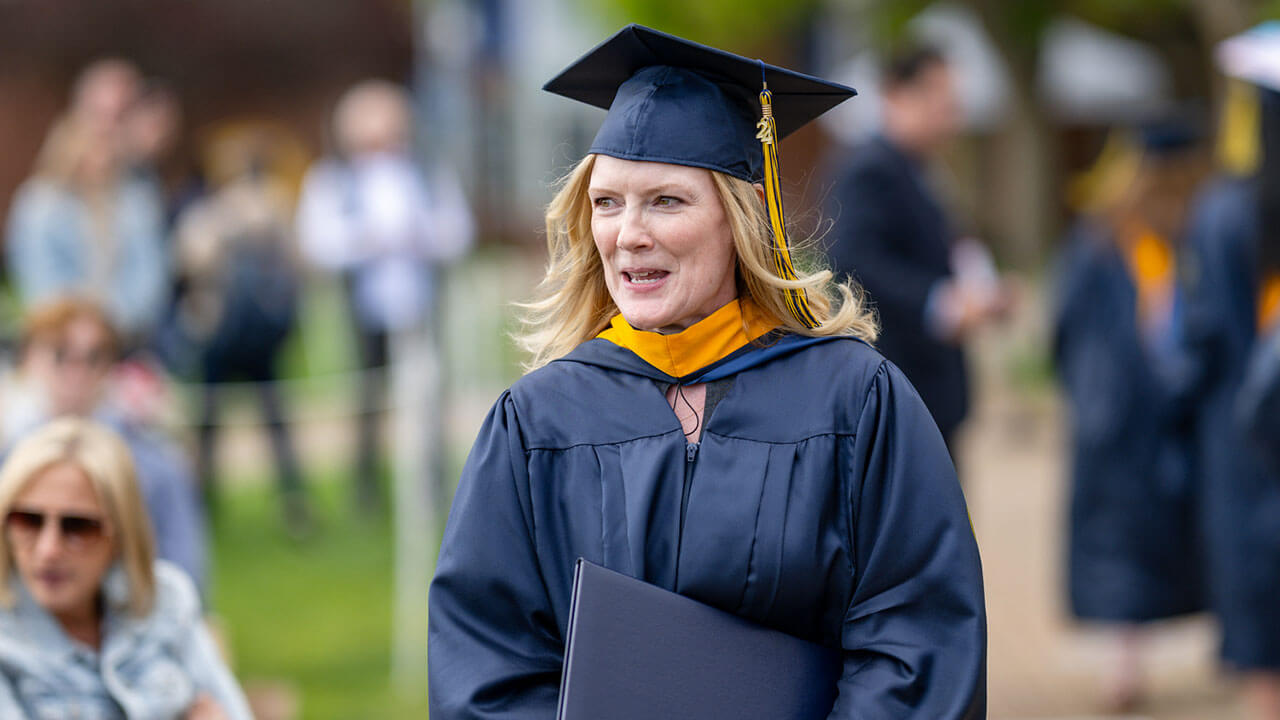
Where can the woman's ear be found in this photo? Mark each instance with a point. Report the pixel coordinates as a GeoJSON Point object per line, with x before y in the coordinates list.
{"type": "Point", "coordinates": [759, 191]}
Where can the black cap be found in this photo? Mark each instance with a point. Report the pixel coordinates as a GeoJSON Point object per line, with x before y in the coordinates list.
{"type": "Point", "coordinates": [675, 101]}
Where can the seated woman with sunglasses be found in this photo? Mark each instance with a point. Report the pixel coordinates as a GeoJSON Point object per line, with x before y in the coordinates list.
{"type": "Point", "coordinates": [91, 625]}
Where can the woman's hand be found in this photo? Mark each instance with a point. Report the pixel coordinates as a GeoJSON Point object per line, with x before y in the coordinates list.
{"type": "Point", "coordinates": [205, 708]}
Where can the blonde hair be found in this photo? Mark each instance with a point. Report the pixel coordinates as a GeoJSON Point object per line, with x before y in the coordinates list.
{"type": "Point", "coordinates": [104, 458]}
{"type": "Point", "coordinates": [64, 149]}
{"type": "Point", "coordinates": [572, 303]}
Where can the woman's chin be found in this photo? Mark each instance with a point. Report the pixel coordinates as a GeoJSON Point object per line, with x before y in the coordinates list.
{"type": "Point", "coordinates": [56, 602]}
{"type": "Point", "coordinates": [650, 319]}
{"type": "Point", "coordinates": [59, 599]}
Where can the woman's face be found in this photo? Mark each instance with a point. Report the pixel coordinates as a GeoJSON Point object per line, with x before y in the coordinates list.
{"type": "Point", "coordinates": [61, 541]}
{"type": "Point", "coordinates": [81, 365]}
{"type": "Point", "coordinates": [664, 242]}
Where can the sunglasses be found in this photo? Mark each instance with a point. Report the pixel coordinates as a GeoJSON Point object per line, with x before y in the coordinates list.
{"type": "Point", "coordinates": [26, 525]}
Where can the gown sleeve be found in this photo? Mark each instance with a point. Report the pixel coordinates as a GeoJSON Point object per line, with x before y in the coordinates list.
{"type": "Point", "coordinates": [494, 648]}
{"type": "Point", "coordinates": [1085, 327]}
{"type": "Point", "coordinates": [914, 635]}
{"type": "Point", "coordinates": [1258, 403]}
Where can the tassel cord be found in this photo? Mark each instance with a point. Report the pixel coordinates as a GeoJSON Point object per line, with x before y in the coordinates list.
{"type": "Point", "coordinates": [796, 299]}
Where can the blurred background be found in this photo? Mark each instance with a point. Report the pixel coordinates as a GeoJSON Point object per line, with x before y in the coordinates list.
{"type": "Point", "coordinates": [327, 451]}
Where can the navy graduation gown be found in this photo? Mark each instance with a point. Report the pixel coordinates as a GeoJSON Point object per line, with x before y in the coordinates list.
{"type": "Point", "coordinates": [1133, 541]}
{"type": "Point", "coordinates": [820, 501]}
{"type": "Point", "coordinates": [1241, 497]}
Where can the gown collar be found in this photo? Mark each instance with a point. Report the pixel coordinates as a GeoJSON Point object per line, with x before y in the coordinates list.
{"type": "Point", "coordinates": [704, 343]}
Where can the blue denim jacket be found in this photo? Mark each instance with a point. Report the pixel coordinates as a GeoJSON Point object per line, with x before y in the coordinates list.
{"type": "Point", "coordinates": [148, 668]}
{"type": "Point", "coordinates": [51, 252]}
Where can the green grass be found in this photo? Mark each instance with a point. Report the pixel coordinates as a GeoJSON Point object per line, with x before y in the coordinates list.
{"type": "Point", "coordinates": [314, 614]}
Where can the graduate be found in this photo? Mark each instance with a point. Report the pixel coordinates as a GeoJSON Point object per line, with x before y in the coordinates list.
{"type": "Point", "coordinates": [706, 414]}
{"type": "Point", "coordinates": [1230, 289]}
{"type": "Point", "coordinates": [1133, 538]}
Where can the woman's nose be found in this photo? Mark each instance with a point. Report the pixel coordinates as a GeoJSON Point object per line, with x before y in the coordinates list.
{"type": "Point", "coordinates": [49, 542]}
{"type": "Point", "coordinates": [633, 233]}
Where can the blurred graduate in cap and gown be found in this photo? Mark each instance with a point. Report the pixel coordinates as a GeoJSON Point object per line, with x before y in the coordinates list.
{"type": "Point", "coordinates": [1134, 540]}
{"type": "Point", "coordinates": [1229, 301]}
{"type": "Point", "coordinates": [705, 412]}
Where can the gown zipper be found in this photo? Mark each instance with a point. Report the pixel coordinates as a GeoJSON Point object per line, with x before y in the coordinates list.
{"type": "Point", "coordinates": [690, 458]}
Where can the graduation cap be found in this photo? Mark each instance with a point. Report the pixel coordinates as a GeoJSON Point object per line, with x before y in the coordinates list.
{"type": "Point", "coordinates": [1168, 135]}
{"type": "Point", "coordinates": [675, 101]}
{"type": "Point", "coordinates": [1253, 55]}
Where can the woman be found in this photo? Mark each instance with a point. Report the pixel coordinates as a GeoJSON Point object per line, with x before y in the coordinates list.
{"type": "Point", "coordinates": [1133, 537]}
{"type": "Point", "coordinates": [90, 625]}
{"type": "Point", "coordinates": [790, 475]}
{"type": "Point", "coordinates": [81, 226]}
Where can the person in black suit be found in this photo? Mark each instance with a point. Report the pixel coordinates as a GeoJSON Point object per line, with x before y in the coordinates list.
{"type": "Point", "coordinates": [891, 234]}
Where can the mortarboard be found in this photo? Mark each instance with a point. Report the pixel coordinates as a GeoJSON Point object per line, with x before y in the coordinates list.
{"type": "Point", "coordinates": [1253, 55]}
{"type": "Point", "coordinates": [675, 101]}
{"type": "Point", "coordinates": [1169, 134]}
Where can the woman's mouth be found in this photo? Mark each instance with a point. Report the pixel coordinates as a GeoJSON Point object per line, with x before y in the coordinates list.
{"type": "Point", "coordinates": [51, 578]}
{"type": "Point", "coordinates": [645, 277]}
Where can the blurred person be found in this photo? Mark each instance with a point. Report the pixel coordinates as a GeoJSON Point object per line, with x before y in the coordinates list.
{"type": "Point", "coordinates": [1134, 545]}
{"type": "Point", "coordinates": [68, 361]}
{"type": "Point", "coordinates": [703, 416]}
{"type": "Point", "coordinates": [930, 290]}
{"type": "Point", "coordinates": [149, 128]}
{"type": "Point", "coordinates": [81, 225]}
{"type": "Point", "coordinates": [150, 133]}
{"type": "Point", "coordinates": [1229, 297]}
{"type": "Point", "coordinates": [372, 215]}
{"type": "Point", "coordinates": [90, 624]}
{"type": "Point", "coordinates": [239, 305]}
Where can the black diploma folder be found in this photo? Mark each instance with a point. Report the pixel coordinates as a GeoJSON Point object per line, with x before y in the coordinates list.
{"type": "Point", "coordinates": [638, 652]}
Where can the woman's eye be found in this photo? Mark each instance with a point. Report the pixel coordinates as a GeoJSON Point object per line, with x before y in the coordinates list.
{"type": "Point", "coordinates": [667, 201]}
{"type": "Point", "coordinates": [603, 203]}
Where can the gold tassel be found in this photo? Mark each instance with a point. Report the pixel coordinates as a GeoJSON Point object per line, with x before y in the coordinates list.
{"type": "Point", "coordinates": [797, 301]}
